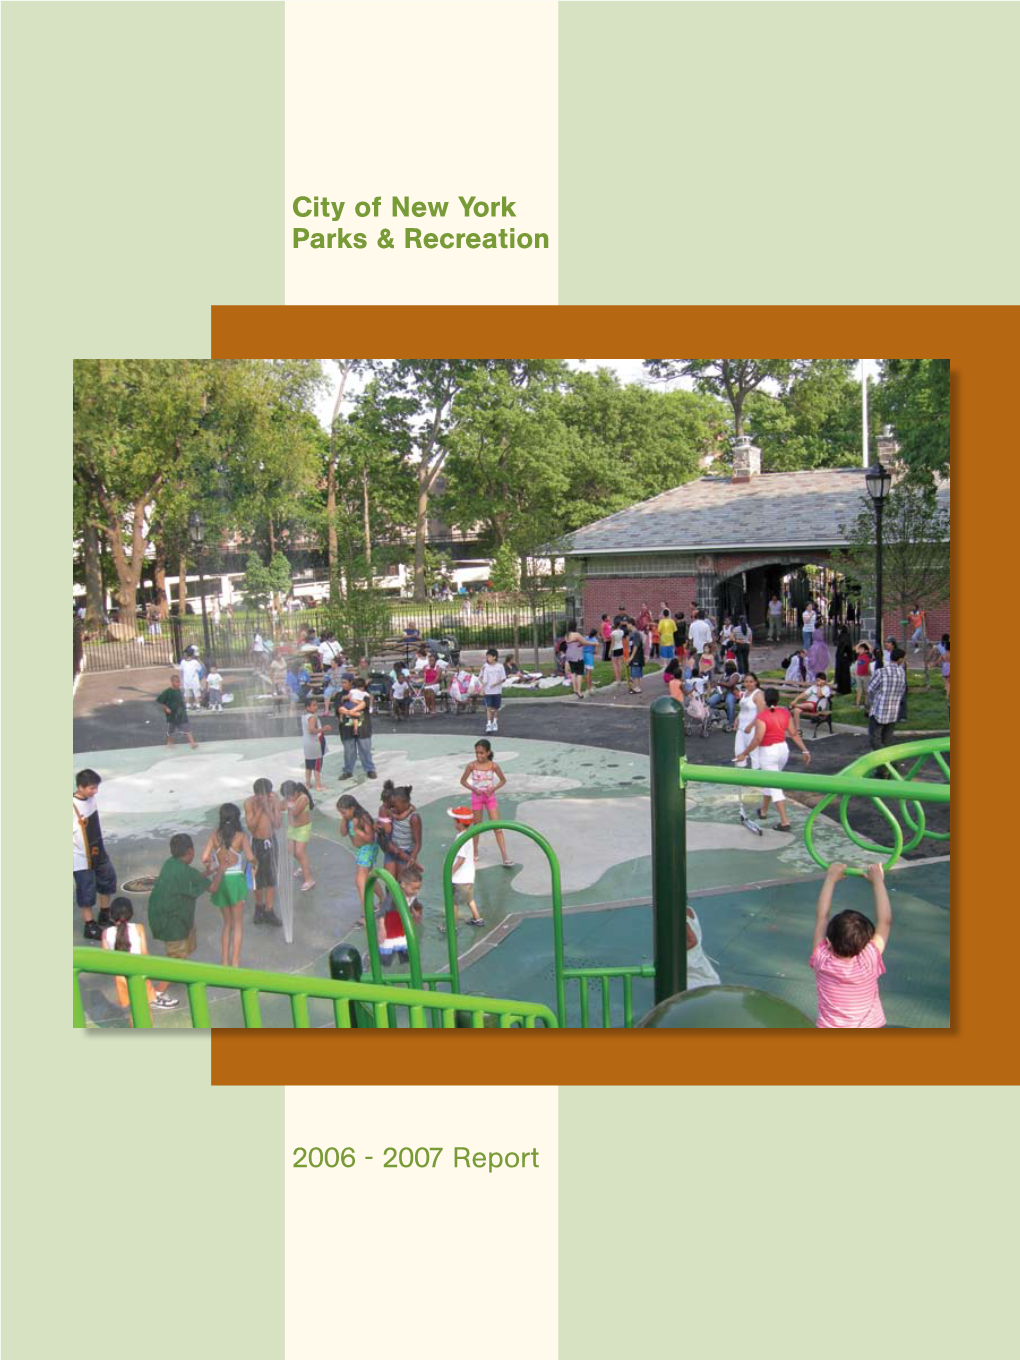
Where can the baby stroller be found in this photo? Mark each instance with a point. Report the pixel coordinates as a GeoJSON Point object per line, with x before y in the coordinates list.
{"type": "Point", "coordinates": [697, 716]}
{"type": "Point", "coordinates": [416, 704]}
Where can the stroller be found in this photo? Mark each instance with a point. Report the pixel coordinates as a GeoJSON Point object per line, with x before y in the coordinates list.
{"type": "Point", "coordinates": [697, 715]}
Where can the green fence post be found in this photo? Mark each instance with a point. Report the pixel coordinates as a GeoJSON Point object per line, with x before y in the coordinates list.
{"type": "Point", "coordinates": [669, 847]}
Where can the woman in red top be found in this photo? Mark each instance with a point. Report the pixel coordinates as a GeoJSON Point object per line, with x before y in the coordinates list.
{"type": "Point", "coordinates": [771, 731]}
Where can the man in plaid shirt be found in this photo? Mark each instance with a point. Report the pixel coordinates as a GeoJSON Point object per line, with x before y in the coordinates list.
{"type": "Point", "coordinates": [885, 695]}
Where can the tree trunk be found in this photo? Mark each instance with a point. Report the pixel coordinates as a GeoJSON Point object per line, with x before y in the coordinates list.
{"type": "Point", "coordinates": [182, 586]}
{"type": "Point", "coordinates": [94, 595]}
{"type": "Point", "coordinates": [420, 536]}
{"type": "Point", "coordinates": [332, 546]}
{"type": "Point", "coordinates": [159, 583]}
{"type": "Point", "coordinates": [367, 521]}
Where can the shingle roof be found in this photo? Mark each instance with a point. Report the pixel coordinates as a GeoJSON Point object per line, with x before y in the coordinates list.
{"type": "Point", "coordinates": [773, 509]}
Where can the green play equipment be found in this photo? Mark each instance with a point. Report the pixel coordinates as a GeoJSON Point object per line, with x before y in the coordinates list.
{"type": "Point", "coordinates": [426, 999]}
{"type": "Point", "coordinates": [725, 1008]}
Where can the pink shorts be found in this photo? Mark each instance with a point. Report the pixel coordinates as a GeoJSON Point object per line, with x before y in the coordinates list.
{"type": "Point", "coordinates": [484, 801]}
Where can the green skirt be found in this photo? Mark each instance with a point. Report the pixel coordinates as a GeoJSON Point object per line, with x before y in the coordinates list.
{"type": "Point", "coordinates": [232, 889]}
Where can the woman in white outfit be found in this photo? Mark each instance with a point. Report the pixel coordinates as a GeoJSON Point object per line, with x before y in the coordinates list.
{"type": "Point", "coordinates": [772, 727]}
{"type": "Point", "coordinates": [752, 701]}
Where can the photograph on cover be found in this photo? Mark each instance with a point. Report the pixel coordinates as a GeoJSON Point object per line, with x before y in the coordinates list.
{"type": "Point", "coordinates": [511, 693]}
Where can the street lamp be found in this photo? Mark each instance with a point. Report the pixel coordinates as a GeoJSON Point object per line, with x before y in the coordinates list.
{"type": "Point", "coordinates": [196, 531]}
{"type": "Point", "coordinates": [878, 480]}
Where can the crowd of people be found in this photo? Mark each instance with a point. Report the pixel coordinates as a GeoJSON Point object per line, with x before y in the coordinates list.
{"type": "Point", "coordinates": [241, 861]}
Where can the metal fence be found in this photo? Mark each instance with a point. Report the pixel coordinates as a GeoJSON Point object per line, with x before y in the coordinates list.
{"type": "Point", "coordinates": [227, 639]}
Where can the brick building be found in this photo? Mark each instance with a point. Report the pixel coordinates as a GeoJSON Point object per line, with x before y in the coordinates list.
{"type": "Point", "coordinates": [726, 544]}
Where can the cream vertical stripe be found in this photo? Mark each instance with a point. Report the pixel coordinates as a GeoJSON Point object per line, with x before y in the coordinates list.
{"type": "Point", "coordinates": [428, 101]}
{"type": "Point", "coordinates": [451, 1263]}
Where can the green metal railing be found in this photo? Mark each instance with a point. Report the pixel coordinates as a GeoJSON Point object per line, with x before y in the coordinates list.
{"type": "Point", "coordinates": [381, 1005]}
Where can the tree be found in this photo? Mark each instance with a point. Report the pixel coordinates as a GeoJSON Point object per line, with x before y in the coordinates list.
{"type": "Point", "coordinates": [361, 617]}
{"type": "Point", "coordinates": [134, 423]}
{"type": "Point", "coordinates": [349, 368]}
{"type": "Point", "coordinates": [812, 421]}
{"type": "Point", "coordinates": [414, 404]}
{"type": "Point", "coordinates": [913, 397]}
{"type": "Point", "coordinates": [732, 379]}
{"type": "Point", "coordinates": [508, 459]}
{"type": "Point", "coordinates": [915, 550]}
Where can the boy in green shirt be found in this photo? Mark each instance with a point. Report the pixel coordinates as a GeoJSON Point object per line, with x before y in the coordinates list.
{"type": "Point", "coordinates": [172, 904]}
{"type": "Point", "coordinates": [171, 701]}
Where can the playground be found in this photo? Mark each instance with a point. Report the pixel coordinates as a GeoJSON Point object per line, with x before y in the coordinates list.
{"type": "Point", "coordinates": [582, 782]}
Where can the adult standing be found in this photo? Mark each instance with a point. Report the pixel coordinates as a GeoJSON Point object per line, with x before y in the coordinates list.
{"type": "Point", "coordinates": [818, 654]}
{"type": "Point", "coordinates": [775, 618]}
{"type": "Point", "coordinates": [699, 633]}
{"type": "Point", "coordinates": [771, 729]}
{"type": "Point", "coordinates": [667, 635]}
{"type": "Point", "coordinates": [844, 661]}
{"type": "Point", "coordinates": [808, 621]}
{"type": "Point", "coordinates": [621, 617]}
{"type": "Point", "coordinates": [606, 633]}
{"type": "Point", "coordinates": [886, 691]}
{"type": "Point", "coordinates": [616, 639]}
{"type": "Point", "coordinates": [262, 817]}
{"type": "Point", "coordinates": [191, 678]}
{"type": "Point", "coordinates": [644, 623]}
{"type": "Point", "coordinates": [742, 639]}
{"type": "Point", "coordinates": [752, 704]}
{"type": "Point", "coordinates": [836, 607]}
{"type": "Point", "coordinates": [916, 618]}
{"type": "Point", "coordinates": [574, 657]}
{"type": "Point", "coordinates": [353, 707]}
{"type": "Point", "coordinates": [90, 864]}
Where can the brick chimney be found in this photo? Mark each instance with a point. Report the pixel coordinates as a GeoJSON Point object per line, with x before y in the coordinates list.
{"type": "Point", "coordinates": [887, 447]}
{"type": "Point", "coordinates": [746, 459]}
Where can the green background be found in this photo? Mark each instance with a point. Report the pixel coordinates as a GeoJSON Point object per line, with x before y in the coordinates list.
{"type": "Point", "coordinates": [134, 1194]}
{"type": "Point", "coordinates": [789, 153]}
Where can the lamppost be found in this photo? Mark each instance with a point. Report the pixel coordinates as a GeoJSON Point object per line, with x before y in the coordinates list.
{"type": "Point", "coordinates": [878, 480]}
{"type": "Point", "coordinates": [196, 530]}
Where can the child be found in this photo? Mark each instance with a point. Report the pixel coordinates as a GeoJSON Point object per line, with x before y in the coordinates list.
{"type": "Point", "coordinates": [483, 777]}
{"type": "Point", "coordinates": [846, 956]}
{"type": "Point", "coordinates": [400, 694]}
{"type": "Point", "coordinates": [312, 740]}
{"type": "Point", "coordinates": [493, 678]}
{"type": "Point", "coordinates": [172, 904]}
{"type": "Point", "coordinates": [655, 637]}
{"type": "Point", "coordinates": [862, 674]}
{"type": "Point", "coordinates": [390, 930]}
{"type": "Point", "coordinates": [358, 825]}
{"type": "Point", "coordinates": [590, 643]}
{"type": "Point", "coordinates": [298, 802]}
{"type": "Point", "coordinates": [463, 878]}
{"type": "Point", "coordinates": [126, 936]}
{"type": "Point", "coordinates": [635, 660]}
{"type": "Point", "coordinates": [815, 697]}
{"type": "Point", "coordinates": [214, 686]}
{"type": "Point", "coordinates": [228, 848]}
{"type": "Point", "coordinates": [399, 830]}
{"type": "Point", "coordinates": [171, 701]}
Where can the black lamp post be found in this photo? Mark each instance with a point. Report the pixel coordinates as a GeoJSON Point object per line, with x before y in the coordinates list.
{"type": "Point", "coordinates": [878, 480]}
{"type": "Point", "coordinates": [196, 530]}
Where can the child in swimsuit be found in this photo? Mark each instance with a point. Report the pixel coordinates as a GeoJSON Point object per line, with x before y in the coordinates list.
{"type": "Point", "coordinates": [299, 828]}
{"type": "Point", "coordinates": [399, 830]}
{"type": "Point", "coordinates": [483, 778]}
{"type": "Point", "coordinates": [358, 825]}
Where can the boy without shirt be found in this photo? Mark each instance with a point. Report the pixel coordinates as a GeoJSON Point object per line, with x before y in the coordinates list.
{"type": "Point", "coordinates": [262, 817]}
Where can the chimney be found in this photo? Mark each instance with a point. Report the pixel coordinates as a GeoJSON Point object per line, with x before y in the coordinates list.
{"type": "Point", "coordinates": [746, 459]}
{"type": "Point", "coordinates": [887, 447]}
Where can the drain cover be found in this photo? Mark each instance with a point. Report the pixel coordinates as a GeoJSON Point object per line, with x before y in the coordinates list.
{"type": "Point", "coordinates": [143, 884]}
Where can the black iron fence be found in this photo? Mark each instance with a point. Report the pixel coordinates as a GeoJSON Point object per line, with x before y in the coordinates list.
{"type": "Point", "coordinates": [227, 639]}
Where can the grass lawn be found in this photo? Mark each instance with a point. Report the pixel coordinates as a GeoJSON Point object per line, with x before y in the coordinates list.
{"type": "Point", "coordinates": [927, 709]}
{"type": "Point", "coordinates": [603, 676]}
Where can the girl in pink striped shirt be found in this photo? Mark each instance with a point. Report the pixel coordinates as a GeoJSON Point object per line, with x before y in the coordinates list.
{"type": "Point", "coordinates": [846, 956]}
